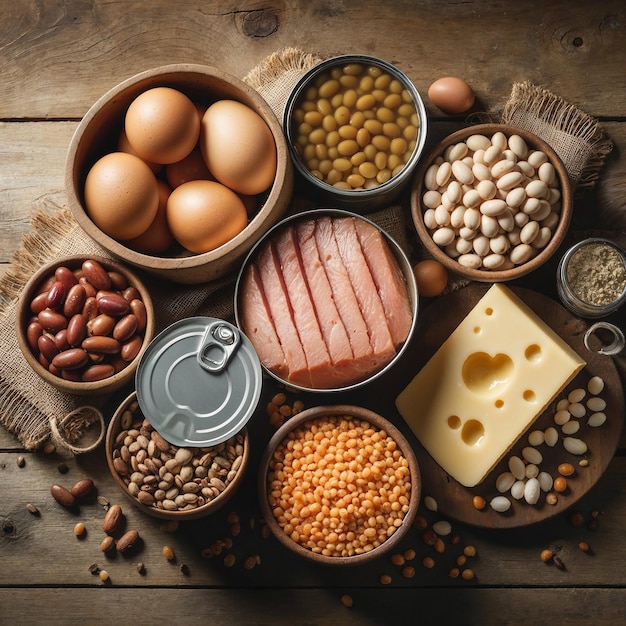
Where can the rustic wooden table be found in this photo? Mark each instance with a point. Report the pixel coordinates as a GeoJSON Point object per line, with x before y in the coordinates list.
{"type": "Point", "coordinates": [57, 59]}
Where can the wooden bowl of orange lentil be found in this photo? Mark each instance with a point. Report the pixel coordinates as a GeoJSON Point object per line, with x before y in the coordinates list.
{"type": "Point", "coordinates": [339, 485]}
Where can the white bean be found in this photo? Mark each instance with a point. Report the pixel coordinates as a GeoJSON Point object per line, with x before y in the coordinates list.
{"type": "Point", "coordinates": [518, 146]}
{"type": "Point", "coordinates": [486, 189]}
{"type": "Point", "coordinates": [545, 481]}
{"type": "Point", "coordinates": [536, 438]}
{"type": "Point", "coordinates": [551, 436]}
{"type": "Point", "coordinates": [571, 428]}
{"type": "Point", "coordinates": [499, 139]}
{"type": "Point", "coordinates": [536, 158]}
{"type": "Point", "coordinates": [472, 218]}
{"type": "Point", "coordinates": [517, 467]}
{"type": "Point", "coordinates": [532, 455]}
{"type": "Point", "coordinates": [443, 236]}
{"type": "Point", "coordinates": [529, 232]}
{"type": "Point", "coordinates": [472, 261]}
{"type": "Point", "coordinates": [532, 471]}
{"type": "Point", "coordinates": [493, 261]}
{"type": "Point", "coordinates": [462, 172]}
{"type": "Point", "coordinates": [547, 173]}
{"type": "Point", "coordinates": [444, 171]}
{"type": "Point", "coordinates": [454, 191]}
{"type": "Point", "coordinates": [477, 142]}
{"type": "Point", "coordinates": [577, 409]}
{"type": "Point", "coordinates": [510, 180]}
{"type": "Point", "coordinates": [595, 385]}
{"type": "Point", "coordinates": [442, 528]}
{"type": "Point", "coordinates": [532, 491]}
{"type": "Point", "coordinates": [562, 417]}
{"type": "Point", "coordinates": [489, 225]}
{"type": "Point", "coordinates": [596, 404]}
{"type": "Point", "coordinates": [596, 419]}
{"type": "Point", "coordinates": [493, 208]}
{"type": "Point", "coordinates": [515, 197]}
{"type": "Point", "coordinates": [457, 152]}
{"type": "Point", "coordinates": [442, 216]}
{"type": "Point", "coordinates": [536, 189]}
{"type": "Point", "coordinates": [574, 445]}
{"type": "Point", "coordinates": [502, 167]}
{"type": "Point", "coordinates": [430, 177]}
{"type": "Point", "coordinates": [471, 198]}
{"type": "Point", "coordinates": [431, 199]}
{"type": "Point", "coordinates": [521, 253]}
{"type": "Point", "coordinates": [430, 503]}
{"type": "Point", "coordinates": [501, 504]}
{"type": "Point", "coordinates": [517, 489]}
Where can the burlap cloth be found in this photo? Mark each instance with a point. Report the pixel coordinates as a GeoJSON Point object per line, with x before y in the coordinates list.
{"type": "Point", "coordinates": [34, 411]}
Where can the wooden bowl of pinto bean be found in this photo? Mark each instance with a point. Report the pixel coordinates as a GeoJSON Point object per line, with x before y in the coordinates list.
{"type": "Point", "coordinates": [83, 323]}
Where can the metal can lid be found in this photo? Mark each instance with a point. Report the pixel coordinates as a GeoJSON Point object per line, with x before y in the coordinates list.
{"type": "Point", "coordinates": [199, 382]}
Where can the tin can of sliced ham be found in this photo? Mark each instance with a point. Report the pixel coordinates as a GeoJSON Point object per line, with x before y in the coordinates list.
{"type": "Point", "coordinates": [328, 300]}
{"type": "Point", "coordinates": [199, 382]}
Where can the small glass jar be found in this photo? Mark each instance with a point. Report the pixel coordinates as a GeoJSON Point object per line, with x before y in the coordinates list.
{"type": "Point", "coordinates": [591, 278]}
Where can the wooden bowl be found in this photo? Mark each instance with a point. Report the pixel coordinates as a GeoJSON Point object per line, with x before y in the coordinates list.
{"type": "Point", "coordinates": [482, 274]}
{"type": "Point", "coordinates": [97, 135]}
{"type": "Point", "coordinates": [379, 423]}
{"type": "Point", "coordinates": [128, 413]}
{"type": "Point", "coordinates": [24, 315]}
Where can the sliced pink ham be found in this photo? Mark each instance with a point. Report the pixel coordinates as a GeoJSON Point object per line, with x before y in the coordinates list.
{"type": "Point", "coordinates": [257, 321]}
{"type": "Point", "coordinates": [343, 293]}
{"type": "Point", "coordinates": [272, 281]}
{"type": "Point", "coordinates": [364, 287]}
{"type": "Point", "coordinates": [389, 281]}
{"type": "Point", "coordinates": [332, 327]}
{"type": "Point", "coordinates": [322, 371]}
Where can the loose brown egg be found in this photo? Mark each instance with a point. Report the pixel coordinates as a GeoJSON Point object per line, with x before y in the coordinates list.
{"type": "Point", "coordinates": [121, 195]}
{"type": "Point", "coordinates": [238, 147]}
{"type": "Point", "coordinates": [452, 95]}
{"type": "Point", "coordinates": [431, 278]}
{"type": "Point", "coordinates": [203, 215]}
{"type": "Point", "coordinates": [158, 237]}
{"type": "Point", "coordinates": [162, 125]}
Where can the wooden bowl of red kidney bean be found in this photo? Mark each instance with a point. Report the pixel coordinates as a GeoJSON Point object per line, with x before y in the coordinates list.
{"type": "Point", "coordinates": [83, 323]}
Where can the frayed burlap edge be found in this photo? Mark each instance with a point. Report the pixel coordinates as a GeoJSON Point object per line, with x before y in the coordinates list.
{"type": "Point", "coordinates": [576, 137]}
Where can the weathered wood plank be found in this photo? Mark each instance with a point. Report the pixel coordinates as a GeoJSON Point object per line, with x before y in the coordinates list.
{"type": "Point", "coordinates": [42, 550]}
{"type": "Point", "coordinates": [77, 50]}
{"type": "Point", "coordinates": [285, 607]}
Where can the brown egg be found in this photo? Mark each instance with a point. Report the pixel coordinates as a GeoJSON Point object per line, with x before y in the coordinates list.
{"type": "Point", "coordinates": [431, 278]}
{"type": "Point", "coordinates": [452, 95]}
{"type": "Point", "coordinates": [121, 195]}
{"type": "Point", "coordinates": [123, 145]}
{"type": "Point", "coordinates": [238, 147]}
{"type": "Point", "coordinates": [158, 237]}
{"type": "Point", "coordinates": [162, 125]}
{"type": "Point", "coordinates": [204, 215]}
{"type": "Point", "coordinates": [192, 167]}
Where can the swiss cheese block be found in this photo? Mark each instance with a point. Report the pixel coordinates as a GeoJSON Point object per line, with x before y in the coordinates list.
{"type": "Point", "coordinates": [492, 377]}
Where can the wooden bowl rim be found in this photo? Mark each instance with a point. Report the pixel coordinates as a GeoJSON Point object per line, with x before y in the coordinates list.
{"type": "Point", "coordinates": [328, 411]}
{"type": "Point", "coordinates": [167, 76]}
{"type": "Point", "coordinates": [113, 430]}
{"type": "Point", "coordinates": [492, 275]}
{"type": "Point", "coordinates": [23, 313]}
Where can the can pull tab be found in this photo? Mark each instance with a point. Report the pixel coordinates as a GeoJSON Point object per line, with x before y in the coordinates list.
{"type": "Point", "coordinates": [219, 344]}
{"type": "Point", "coordinates": [611, 338]}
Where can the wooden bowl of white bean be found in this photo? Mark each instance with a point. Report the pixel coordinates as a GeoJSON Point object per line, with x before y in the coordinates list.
{"type": "Point", "coordinates": [356, 498]}
{"type": "Point", "coordinates": [492, 202]}
{"type": "Point", "coordinates": [168, 481]}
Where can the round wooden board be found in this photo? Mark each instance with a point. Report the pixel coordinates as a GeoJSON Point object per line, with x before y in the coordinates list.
{"type": "Point", "coordinates": [436, 323]}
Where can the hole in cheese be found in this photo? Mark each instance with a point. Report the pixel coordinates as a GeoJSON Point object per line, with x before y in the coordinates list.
{"type": "Point", "coordinates": [488, 311]}
{"type": "Point", "coordinates": [477, 330]}
{"type": "Point", "coordinates": [529, 395]}
{"type": "Point", "coordinates": [473, 432]}
{"type": "Point", "coordinates": [454, 422]}
{"type": "Point", "coordinates": [533, 353]}
{"type": "Point", "coordinates": [499, 403]}
{"type": "Point", "coordinates": [483, 373]}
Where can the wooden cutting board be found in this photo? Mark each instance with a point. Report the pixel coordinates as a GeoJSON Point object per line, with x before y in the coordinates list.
{"type": "Point", "coordinates": [436, 322]}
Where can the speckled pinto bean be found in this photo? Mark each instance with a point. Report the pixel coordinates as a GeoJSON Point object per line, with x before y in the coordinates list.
{"type": "Point", "coordinates": [86, 324]}
{"type": "Point", "coordinates": [355, 127]}
{"type": "Point", "coordinates": [508, 208]}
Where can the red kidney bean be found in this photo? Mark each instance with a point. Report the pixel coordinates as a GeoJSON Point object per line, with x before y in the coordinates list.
{"type": "Point", "coordinates": [60, 340]}
{"type": "Point", "coordinates": [130, 294]}
{"type": "Point", "coordinates": [118, 281]}
{"type": "Point", "coordinates": [96, 274]}
{"type": "Point", "coordinates": [52, 320]}
{"type": "Point", "coordinates": [76, 330]}
{"type": "Point", "coordinates": [131, 348]}
{"type": "Point", "coordinates": [47, 347]}
{"type": "Point", "coordinates": [75, 300]}
{"type": "Point", "coordinates": [45, 286]}
{"type": "Point", "coordinates": [90, 290]}
{"type": "Point", "coordinates": [125, 327]}
{"type": "Point", "coordinates": [71, 359]}
{"type": "Point", "coordinates": [98, 372]}
{"type": "Point", "coordinates": [101, 344]}
{"type": "Point", "coordinates": [113, 304]}
{"type": "Point", "coordinates": [71, 375]}
{"type": "Point", "coordinates": [38, 303]}
{"type": "Point", "coordinates": [139, 309]}
{"type": "Point", "coordinates": [56, 296]}
{"type": "Point", "coordinates": [33, 332]}
{"type": "Point", "coordinates": [90, 308]}
{"type": "Point", "coordinates": [102, 324]}
{"type": "Point", "coordinates": [66, 276]}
